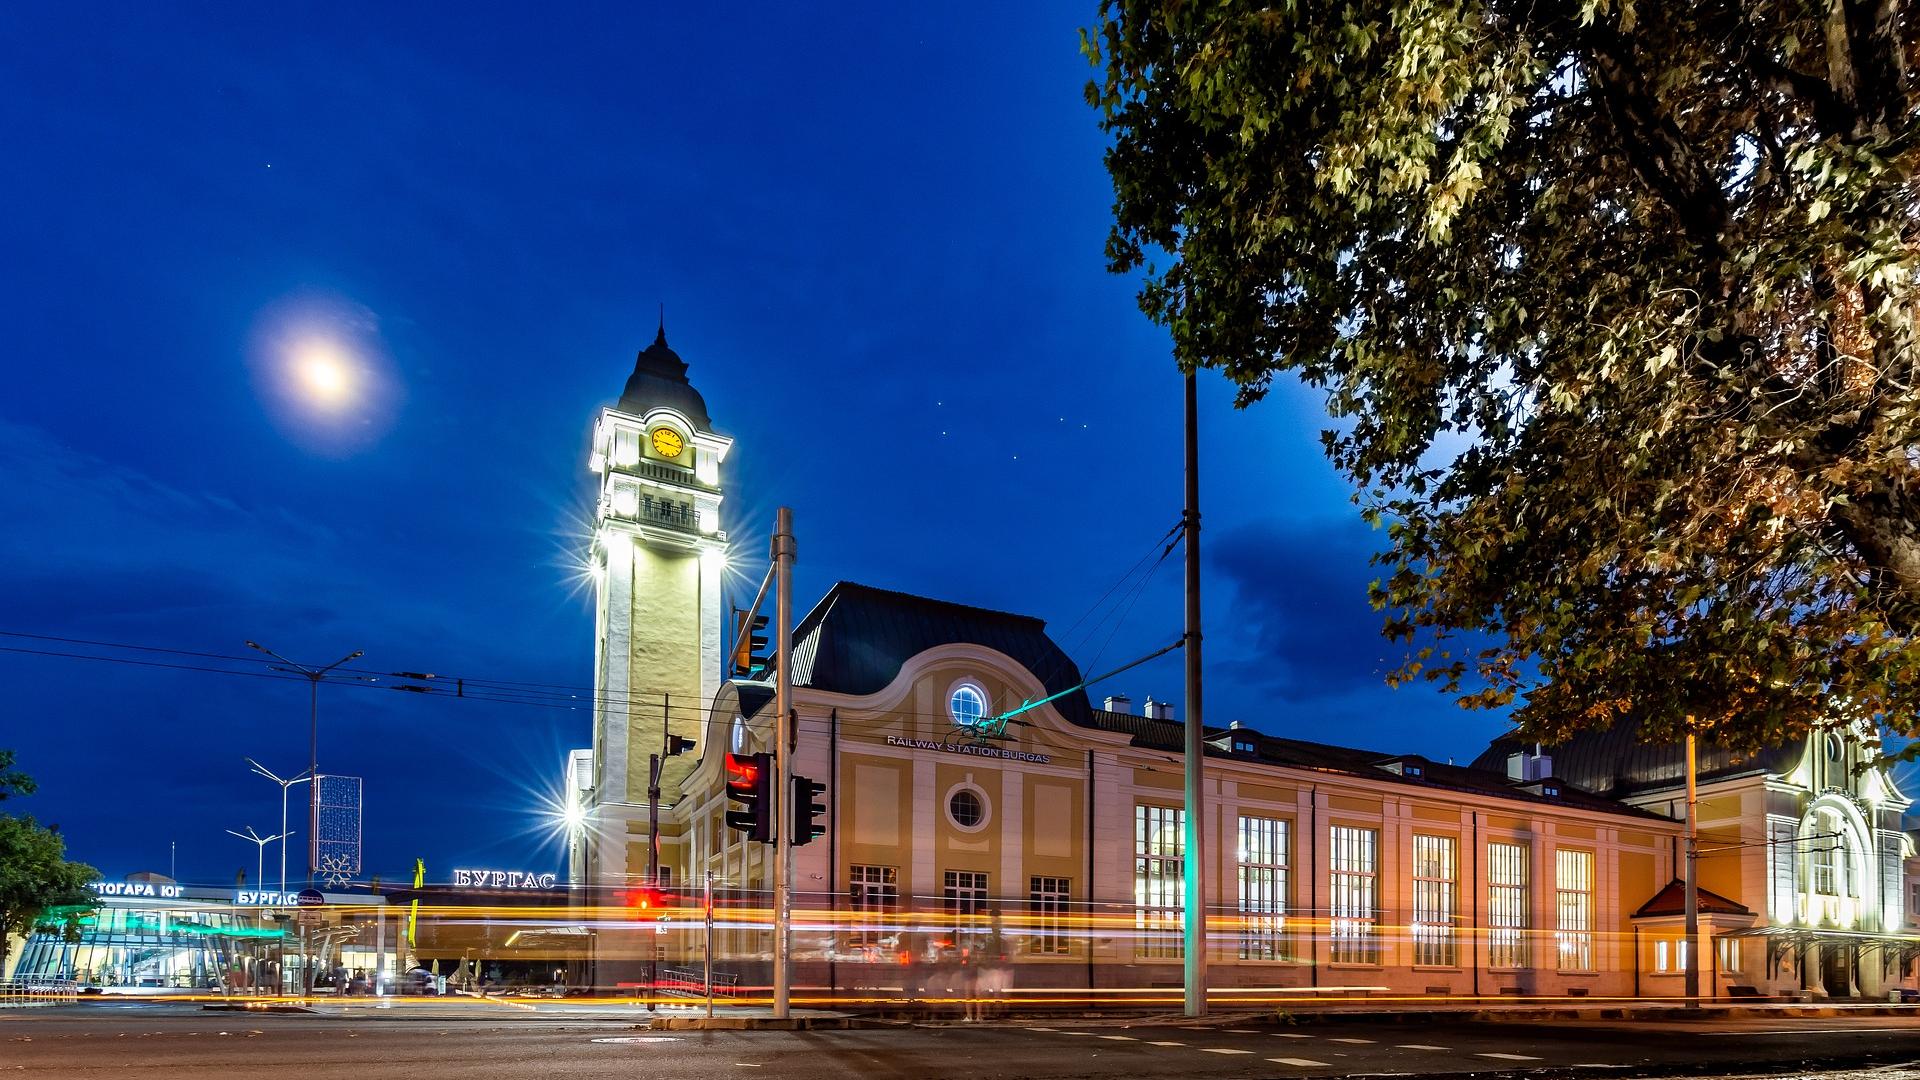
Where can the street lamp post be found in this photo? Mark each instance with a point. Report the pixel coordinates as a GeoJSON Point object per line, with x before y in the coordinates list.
{"type": "Point", "coordinates": [284, 785]}
{"type": "Point", "coordinates": [260, 852]}
{"type": "Point", "coordinates": [313, 677]}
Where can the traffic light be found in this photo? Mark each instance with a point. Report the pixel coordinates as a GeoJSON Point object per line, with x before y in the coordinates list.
{"type": "Point", "coordinates": [677, 745]}
{"type": "Point", "coordinates": [651, 903]}
{"type": "Point", "coordinates": [749, 657]}
{"type": "Point", "coordinates": [808, 809]}
{"type": "Point", "coordinates": [750, 783]}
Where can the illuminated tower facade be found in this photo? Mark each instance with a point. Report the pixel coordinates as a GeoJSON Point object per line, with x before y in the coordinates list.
{"type": "Point", "coordinates": [657, 557]}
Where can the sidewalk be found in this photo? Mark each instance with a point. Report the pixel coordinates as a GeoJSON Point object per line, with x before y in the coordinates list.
{"type": "Point", "coordinates": [1416, 1011]}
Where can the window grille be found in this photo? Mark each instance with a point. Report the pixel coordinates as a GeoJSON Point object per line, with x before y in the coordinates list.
{"type": "Point", "coordinates": [1159, 887]}
{"type": "Point", "coordinates": [1263, 858]}
{"type": "Point", "coordinates": [1048, 898]}
{"type": "Point", "coordinates": [1573, 895]}
{"type": "Point", "coordinates": [1506, 905]}
{"type": "Point", "coordinates": [1351, 896]}
{"type": "Point", "coordinates": [1435, 892]}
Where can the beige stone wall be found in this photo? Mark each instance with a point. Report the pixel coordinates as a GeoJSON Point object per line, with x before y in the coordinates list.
{"type": "Point", "coordinates": [665, 657]}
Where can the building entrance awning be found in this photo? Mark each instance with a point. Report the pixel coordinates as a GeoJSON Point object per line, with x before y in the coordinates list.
{"type": "Point", "coordinates": [1785, 941]}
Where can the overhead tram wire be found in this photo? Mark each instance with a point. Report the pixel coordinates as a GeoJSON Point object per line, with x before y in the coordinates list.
{"type": "Point", "coordinates": [575, 704]}
{"type": "Point", "coordinates": [688, 712]}
{"type": "Point", "coordinates": [475, 688]}
{"type": "Point", "coordinates": [574, 695]}
{"type": "Point", "coordinates": [1067, 640]}
{"type": "Point", "coordinates": [683, 711]}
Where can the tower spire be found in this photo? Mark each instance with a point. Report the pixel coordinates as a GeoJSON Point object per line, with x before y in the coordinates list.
{"type": "Point", "coordinates": [662, 335]}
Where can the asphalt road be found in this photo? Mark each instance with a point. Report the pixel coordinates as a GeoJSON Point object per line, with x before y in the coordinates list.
{"type": "Point", "coordinates": [104, 1041]}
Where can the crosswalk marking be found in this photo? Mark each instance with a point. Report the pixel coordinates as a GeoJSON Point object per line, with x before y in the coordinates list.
{"type": "Point", "coordinates": [1241, 1031]}
{"type": "Point", "coordinates": [1166, 1044]}
{"type": "Point", "coordinates": [1223, 1050]}
{"type": "Point", "coordinates": [1421, 1046]}
{"type": "Point", "coordinates": [1120, 1038]}
{"type": "Point", "coordinates": [1509, 1057]}
{"type": "Point", "coordinates": [1073, 1033]}
{"type": "Point", "coordinates": [1304, 1063]}
{"type": "Point", "coordinates": [1043, 1029]}
{"type": "Point", "coordinates": [1290, 1035]}
{"type": "Point", "coordinates": [1363, 1042]}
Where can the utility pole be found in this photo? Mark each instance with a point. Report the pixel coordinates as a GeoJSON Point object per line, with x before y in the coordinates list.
{"type": "Point", "coordinates": [1692, 961]}
{"type": "Point", "coordinates": [707, 951]}
{"type": "Point", "coordinates": [783, 558]}
{"type": "Point", "coordinates": [313, 677]}
{"type": "Point", "coordinates": [1194, 867]}
{"type": "Point", "coordinates": [654, 761]}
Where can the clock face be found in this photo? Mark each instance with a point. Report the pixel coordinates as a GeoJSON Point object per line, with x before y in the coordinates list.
{"type": "Point", "coordinates": [667, 442]}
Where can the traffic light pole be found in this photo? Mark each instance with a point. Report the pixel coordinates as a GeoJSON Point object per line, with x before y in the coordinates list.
{"type": "Point", "coordinates": [783, 556]}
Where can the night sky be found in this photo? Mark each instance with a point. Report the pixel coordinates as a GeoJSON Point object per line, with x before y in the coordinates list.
{"type": "Point", "coordinates": [877, 236]}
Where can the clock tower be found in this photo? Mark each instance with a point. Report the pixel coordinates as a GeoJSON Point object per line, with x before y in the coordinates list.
{"type": "Point", "coordinates": [657, 555]}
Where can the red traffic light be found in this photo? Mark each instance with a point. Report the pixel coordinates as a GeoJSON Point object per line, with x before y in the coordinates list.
{"type": "Point", "coordinates": [750, 784]}
{"type": "Point", "coordinates": [644, 899]}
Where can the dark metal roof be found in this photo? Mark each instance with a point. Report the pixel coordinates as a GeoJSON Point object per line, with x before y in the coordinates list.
{"type": "Point", "coordinates": [1672, 900]}
{"type": "Point", "coordinates": [1167, 735]}
{"type": "Point", "coordinates": [1615, 763]}
{"type": "Point", "coordinates": [660, 379]}
{"type": "Point", "coordinates": [857, 638]}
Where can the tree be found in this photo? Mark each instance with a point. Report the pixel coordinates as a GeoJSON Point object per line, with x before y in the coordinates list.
{"type": "Point", "coordinates": [12, 781]}
{"type": "Point", "coordinates": [37, 883]}
{"type": "Point", "coordinates": [1613, 304]}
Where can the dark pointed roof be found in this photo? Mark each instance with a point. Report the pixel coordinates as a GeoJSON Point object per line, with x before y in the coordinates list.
{"type": "Point", "coordinates": [660, 379]}
{"type": "Point", "coordinates": [1672, 900]}
{"type": "Point", "coordinates": [1614, 762]}
{"type": "Point", "coordinates": [857, 638]}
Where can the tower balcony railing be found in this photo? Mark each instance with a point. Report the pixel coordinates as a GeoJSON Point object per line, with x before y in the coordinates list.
{"type": "Point", "coordinates": [671, 474]}
{"type": "Point", "coordinates": [675, 515]}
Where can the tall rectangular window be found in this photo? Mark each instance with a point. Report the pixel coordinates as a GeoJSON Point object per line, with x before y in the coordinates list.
{"type": "Point", "coordinates": [1047, 899]}
{"type": "Point", "coordinates": [1823, 868]}
{"type": "Point", "coordinates": [873, 893]}
{"type": "Point", "coordinates": [1436, 888]}
{"type": "Point", "coordinates": [1670, 955]}
{"type": "Point", "coordinates": [1351, 904]}
{"type": "Point", "coordinates": [1728, 953]}
{"type": "Point", "coordinates": [1573, 901]}
{"type": "Point", "coordinates": [1506, 905]}
{"type": "Point", "coordinates": [965, 892]}
{"type": "Point", "coordinates": [1263, 888]}
{"type": "Point", "coordinates": [1159, 887]}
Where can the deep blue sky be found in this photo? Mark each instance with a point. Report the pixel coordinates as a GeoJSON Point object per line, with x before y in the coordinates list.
{"type": "Point", "coordinates": [877, 234]}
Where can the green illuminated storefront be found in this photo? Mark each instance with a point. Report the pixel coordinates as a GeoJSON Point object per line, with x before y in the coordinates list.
{"type": "Point", "coordinates": [160, 937]}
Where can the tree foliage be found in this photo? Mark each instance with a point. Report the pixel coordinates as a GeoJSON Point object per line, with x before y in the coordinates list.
{"type": "Point", "coordinates": [12, 780]}
{"type": "Point", "coordinates": [1613, 304]}
{"type": "Point", "coordinates": [37, 883]}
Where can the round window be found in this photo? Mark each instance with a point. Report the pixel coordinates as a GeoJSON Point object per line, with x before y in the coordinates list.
{"type": "Point", "coordinates": [966, 809]}
{"type": "Point", "coordinates": [967, 705]}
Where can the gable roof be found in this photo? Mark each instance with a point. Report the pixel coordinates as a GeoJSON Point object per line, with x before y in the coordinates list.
{"type": "Point", "coordinates": [858, 637]}
{"type": "Point", "coordinates": [1615, 763]}
{"type": "Point", "coordinates": [1672, 900]}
